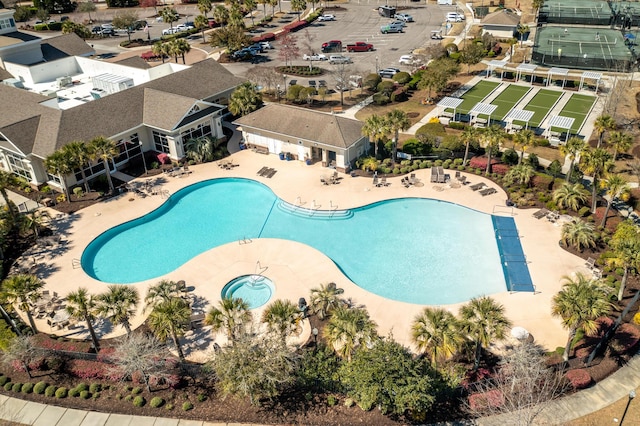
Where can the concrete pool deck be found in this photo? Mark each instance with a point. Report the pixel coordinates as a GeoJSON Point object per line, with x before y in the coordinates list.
{"type": "Point", "coordinates": [296, 268]}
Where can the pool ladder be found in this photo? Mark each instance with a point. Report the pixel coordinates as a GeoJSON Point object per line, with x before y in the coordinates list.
{"type": "Point", "coordinates": [245, 240]}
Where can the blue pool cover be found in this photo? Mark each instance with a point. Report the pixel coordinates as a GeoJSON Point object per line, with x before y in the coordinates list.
{"type": "Point", "coordinates": [514, 262]}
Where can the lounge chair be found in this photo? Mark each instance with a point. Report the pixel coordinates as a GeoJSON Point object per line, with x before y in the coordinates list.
{"type": "Point", "coordinates": [262, 170]}
{"type": "Point", "coordinates": [375, 181]}
{"type": "Point", "coordinates": [541, 213]}
{"type": "Point", "coordinates": [434, 174]}
{"type": "Point", "coordinates": [271, 173]}
{"type": "Point", "coordinates": [324, 180]}
{"type": "Point", "coordinates": [458, 175]}
{"type": "Point", "coordinates": [477, 186]}
{"type": "Point", "coordinates": [441, 175]}
{"type": "Point", "coordinates": [463, 180]}
{"type": "Point", "coordinates": [384, 182]}
{"type": "Point", "coordinates": [488, 191]}
{"type": "Point", "coordinates": [590, 263]}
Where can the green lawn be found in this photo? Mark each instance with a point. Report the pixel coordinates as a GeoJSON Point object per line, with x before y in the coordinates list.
{"type": "Point", "coordinates": [506, 100]}
{"type": "Point", "coordinates": [476, 94]}
{"type": "Point", "coordinates": [578, 107]}
{"type": "Point", "coordinates": [541, 104]}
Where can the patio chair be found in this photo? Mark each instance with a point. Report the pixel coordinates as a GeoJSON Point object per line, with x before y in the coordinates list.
{"type": "Point", "coordinates": [324, 181]}
{"type": "Point", "coordinates": [488, 191]}
{"type": "Point", "coordinates": [590, 263]}
{"type": "Point", "coordinates": [457, 175]}
{"type": "Point", "coordinates": [463, 180]}
{"type": "Point", "coordinates": [375, 181]}
{"type": "Point", "coordinates": [477, 186]}
{"type": "Point", "coordinates": [262, 170]}
{"type": "Point", "coordinates": [383, 181]}
{"type": "Point", "coordinates": [541, 213]}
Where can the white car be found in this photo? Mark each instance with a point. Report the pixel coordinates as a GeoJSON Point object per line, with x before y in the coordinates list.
{"type": "Point", "coordinates": [408, 60]}
{"type": "Point", "coordinates": [315, 57]}
{"type": "Point", "coordinates": [323, 18]}
{"type": "Point", "coordinates": [455, 17]}
{"type": "Point", "coordinates": [169, 31]}
{"type": "Point", "coordinates": [403, 17]}
{"type": "Point", "coordinates": [183, 27]}
{"type": "Point", "coordinates": [266, 45]}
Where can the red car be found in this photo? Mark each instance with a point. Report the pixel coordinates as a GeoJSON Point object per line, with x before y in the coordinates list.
{"type": "Point", "coordinates": [332, 46]}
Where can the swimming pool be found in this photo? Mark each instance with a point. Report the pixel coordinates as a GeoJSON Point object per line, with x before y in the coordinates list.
{"type": "Point", "coordinates": [255, 290]}
{"type": "Point", "coordinates": [413, 250]}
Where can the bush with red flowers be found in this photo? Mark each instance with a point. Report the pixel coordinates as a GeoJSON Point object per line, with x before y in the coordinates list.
{"type": "Point", "coordinates": [578, 378]}
{"type": "Point", "coordinates": [481, 401]}
{"type": "Point", "coordinates": [500, 169]}
{"type": "Point", "coordinates": [46, 342]}
{"type": "Point", "coordinates": [86, 369]}
{"type": "Point", "coordinates": [625, 338]}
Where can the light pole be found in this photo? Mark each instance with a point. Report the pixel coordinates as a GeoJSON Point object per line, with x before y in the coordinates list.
{"type": "Point", "coordinates": [632, 395]}
{"type": "Point", "coordinates": [278, 92]}
{"type": "Point", "coordinates": [314, 331]}
{"type": "Point", "coordinates": [377, 69]}
{"type": "Point", "coordinates": [144, 162]}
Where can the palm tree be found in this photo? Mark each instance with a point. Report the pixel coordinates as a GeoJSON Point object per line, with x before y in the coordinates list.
{"type": "Point", "coordinates": [522, 174]}
{"type": "Point", "coordinates": [595, 163]}
{"type": "Point", "coordinates": [375, 129]}
{"type": "Point", "coordinates": [602, 124]}
{"type": "Point", "coordinates": [573, 148]}
{"type": "Point", "coordinates": [221, 14]}
{"type": "Point", "coordinates": [369, 163]}
{"type": "Point", "coordinates": [160, 49]}
{"type": "Point", "coordinates": [579, 234]}
{"type": "Point", "coordinates": [179, 47]}
{"type": "Point", "coordinates": [436, 332]}
{"type": "Point", "coordinates": [397, 120]}
{"type": "Point", "coordinates": [201, 150]}
{"type": "Point", "coordinates": [245, 99]}
{"type": "Point", "coordinates": [469, 134]}
{"type": "Point", "coordinates": [118, 305]}
{"type": "Point", "coordinates": [79, 155]}
{"type": "Point", "coordinates": [82, 306]}
{"type": "Point", "coordinates": [170, 319]}
{"type": "Point", "coordinates": [625, 243]}
{"type": "Point", "coordinates": [483, 320]}
{"type": "Point", "coordinates": [24, 291]}
{"type": "Point", "coordinates": [162, 292]}
{"type": "Point", "coordinates": [620, 142]}
{"type": "Point", "coordinates": [325, 299]}
{"type": "Point", "coordinates": [615, 186]}
{"type": "Point", "coordinates": [282, 317]}
{"type": "Point", "coordinates": [571, 196]}
{"type": "Point", "coordinates": [169, 15]}
{"type": "Point", "coordinates": [250, 6]}
{"type": "Point", "coordinates": [106, 150]}
{"type": "Point", "coordinates": [580, 302]}
{"type": "Point", "coordinates": [232, 317]}
{"type": "Point", "coordinates": [36, 220]}
{"type": "Point", "coordinates": [492, 137]}
{"type": "Point", "coordinates": [58, 164]}
{"type": "Point", "coordinates": [522, 30]}
{"type": "Point", "coordinates": [523, 139]}
{"type": "Point", "coordinates": [348, 329]}
{"type": "Point", "coordinates": [201, 22]}
{"type": "Point", "coordinates": [7, 179]}
{"type": "Point", "coordinates": [205, 6]}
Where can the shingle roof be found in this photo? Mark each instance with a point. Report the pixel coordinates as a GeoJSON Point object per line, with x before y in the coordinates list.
{"type": "Point", "coordinates": [112, 114]}
{"type": "Point", "coordinates": [134, 62]}
{"type": "Point", "coordinates": [501, 17]}
{"type": "Point", "coordinates": [65, 45]}
{"type": "Point", "coordinates": [301, 123]}
{"type": "Point", "coordinates": [16, 37]}
{"type": "Point", "coordinates": [4, 74]}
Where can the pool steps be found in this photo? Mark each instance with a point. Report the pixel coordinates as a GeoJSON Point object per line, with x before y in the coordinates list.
{"type": "Point", "coordinates": [315, 213]}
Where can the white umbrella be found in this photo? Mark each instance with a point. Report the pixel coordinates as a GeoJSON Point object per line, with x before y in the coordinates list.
{"type": "Point", "coordinates": [519, 333]}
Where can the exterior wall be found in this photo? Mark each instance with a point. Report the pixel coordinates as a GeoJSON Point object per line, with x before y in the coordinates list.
{"type": "Point", "coordinates": [24, 53]}
{"type": "Point", "coordinates": [499, 31]}
{"type": "Point", "coordinates": [94, 67]}
{"type": "Point", "coordinates": [44, 72]}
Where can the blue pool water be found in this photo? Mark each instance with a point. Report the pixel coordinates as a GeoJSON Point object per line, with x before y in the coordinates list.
{"type": "Point", "coordinates": [256, 290]}
{"type": "Point", "coordinates": [413, 249]}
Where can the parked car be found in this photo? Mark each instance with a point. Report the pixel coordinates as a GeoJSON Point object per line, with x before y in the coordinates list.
{"type": "Point", "coordinates": [436, 35]}
{"type": "Point", "coordinates": [360, 46]}
{"type": "Point", "coordinates": [332, 46]}
{"type": "Point", "coordinates": [257, 47]}
{"type": "Point", "coordinates": [400, 23]}
{"type": "Point", "coordinates": [328, 17]}
{"type": "Point", "coordinates": [391, 29]}
{"type": "Point", "coordinates": [388, 72]}
{"type": "Point", "coordinates": [315, 57]}
{"type": "Point", "coordinates": [169, 31]}
{"type": "Point", "coordinates": [183, 27]}
{"type": "Point", "coordinates": [339, 59]}
{"type": "Point", "coordinates": [408, 60]}
{"type": "Point", "coordinates": [455, 17]}
{"type": "Point", "coordinates": [266, 45]}
{"type": "Point", "coordinates": [139, 25]}
{"type": "Point", "coordinates": [403, 17]}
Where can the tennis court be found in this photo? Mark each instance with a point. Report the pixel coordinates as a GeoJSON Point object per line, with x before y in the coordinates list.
{"type": "Point", "coordinates": [583, 48]}
{"type": "Point", "coordinates": [578, 108]}
{"type": "Point", "coordinates": [541, 104]}
{"type": "Point", "coordinates": [506, 100]}
{"type": "Point", "coordinates": [476, 94]}
{"type": "Point", "coordinates": [586, 12]}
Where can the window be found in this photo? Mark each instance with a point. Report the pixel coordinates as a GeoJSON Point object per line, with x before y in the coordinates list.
{"type": "Point", "coordinates": [202, 129]}
{"type": "Point", "coordinates": [19, 166]}
{"type": "Point", "coordinates": [161, 142]}
{"type": "Point", "coordinates": [195, 109]}
{"type": "Point", "coordinates": [55, 179]}
{"type": "Point", "coordinates": [7, 23]}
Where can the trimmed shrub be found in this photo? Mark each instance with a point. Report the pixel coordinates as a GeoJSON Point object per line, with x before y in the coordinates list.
{"type": "Point", "coordinates": [95, 387]}
{"type": "Point", "coordinates": [136, 390]}
{"type": "Point", "coordinates": [349, 402]}
{"type": "Point", "coordinates": [17, 387]}
{"type": "Point", "coordinates": [7, 386]}
{"type": "Point", "coordinates": [74, 392]}
{"type": "Point", "coordinates": [625, 338]}
{"type": "Point", "coordinates": [431, 129]}
{"type": "Point", "coordinates": [39, 388]}
{"type": "Point", "coordinates": [139, 401]}
{"type": "Point", "coordinates": [332, 400]}
{"type": "Point", "coordinates": [579, 378]}
{"type": "Point", "coordinates": [82, 387]}
{"type": "Point", "coordinates": [187, 406]}
{"type": "Point", "coordinates": [169, 407]}
{"type": "Point", "coordinates": [85, 394]}
{"type": "Point", "coordinates": [27, 388]}
{"type": "Point", "coordinates": [61, 392]}
{"type": "Point", "coordinates": [118, 396]}
{"type": "Point", "coordinates": [4, 380]}
{"type": "Point", "coordinates": [156, 402]}
{"type": "Point", "coordinates": [128, 397]}
{"type": "Point", "coordinates": [95, 395]}
{"type": "Point", "coordinates": [50, 391]}
{"type": "Point", "coordinates": [491, 399]}
{"type": "Point", "coordinates": [202, 397]}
